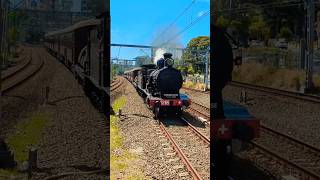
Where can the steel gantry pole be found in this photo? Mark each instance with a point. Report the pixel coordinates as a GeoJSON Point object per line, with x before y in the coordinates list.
{"type": "Point", "coordinates": [310, 12]}
{"type": "Point", "coordinates": [3, 22]}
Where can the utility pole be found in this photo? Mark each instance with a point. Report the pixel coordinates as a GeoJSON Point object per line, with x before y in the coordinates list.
{"type": "Point", "coordinates": [1, 30]}
{"type": "Point", "coordinates": [2, 44]}
{"type": "Point", "coordinates": [310, 9]}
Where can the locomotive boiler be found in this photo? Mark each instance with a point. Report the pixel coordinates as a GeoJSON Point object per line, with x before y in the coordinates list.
{"type": "Point", "coordinates": [159, 85]}
{"type": "Point", "coordinates": [165, 81]}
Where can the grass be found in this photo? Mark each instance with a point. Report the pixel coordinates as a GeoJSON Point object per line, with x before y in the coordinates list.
{"type": "Point", "coordinates": [5, 174]}
{"type": "Point", "coordinates": [190, 84]}
{"type": "Point", "coordinates": [28, 134]}
{"type": "Point", "coordinates": [286, 79]}
{"type": "Point", "coordinates": [259, 50]}
{"type": "Point", "coordinates": [122, 162]}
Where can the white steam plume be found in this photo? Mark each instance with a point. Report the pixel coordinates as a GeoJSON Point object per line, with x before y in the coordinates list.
{"type": "Point", "coordinates": [159, 54]}
{"type": "Point", "coordinates": [165, 41]}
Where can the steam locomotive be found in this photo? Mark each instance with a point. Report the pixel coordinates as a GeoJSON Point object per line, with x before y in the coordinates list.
{"type": "Point", "coordinates": [159, 85]}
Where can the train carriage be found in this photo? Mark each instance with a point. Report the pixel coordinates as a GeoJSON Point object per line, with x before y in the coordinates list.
{"type": "Point", "coordinates": [82, 47]}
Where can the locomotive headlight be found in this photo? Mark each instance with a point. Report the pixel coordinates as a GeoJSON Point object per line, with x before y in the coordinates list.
{"type": "Point", "coordinates": [170, 62]}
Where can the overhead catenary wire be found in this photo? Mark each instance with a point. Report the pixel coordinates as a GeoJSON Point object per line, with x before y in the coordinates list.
{"type": "Point", "coordinates": [176, 19]}
{"type": "Point", "coordinates": [266, 5]}
{"type": "Point", "coordinates": [282, 4]}
{"type": "Point", "coordinates": [186, 28]}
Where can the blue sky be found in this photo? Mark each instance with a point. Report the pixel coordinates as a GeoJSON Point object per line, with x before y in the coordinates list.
{"type": "Point", "coordinates": [141, 21]}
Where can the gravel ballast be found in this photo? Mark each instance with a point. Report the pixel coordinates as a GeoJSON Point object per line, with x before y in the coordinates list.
{"type": "Point", "coordinates": [143, 136]}
{"type": "Point", "coordinates": [76, 136]}
{"type": "Point", "coordinates": [76, 139]}
{"type": "Point", "coordinates": [297, 118]}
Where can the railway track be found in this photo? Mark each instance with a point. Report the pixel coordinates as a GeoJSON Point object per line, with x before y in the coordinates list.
{"type": "Point", "coordinates": [201, 111]}
{"type": "Point", "coordinates": [290, 155]}
{"type": "Point", "coordinates": [273, 91]}
{"type": "Point", "coordinates": [192, 147]}
{"type": "Point", "coordinates": [21, 74]}
{"type": "Point", "coordinates": [196, 90]}
{"type": "Point", "coordinates": [277, 92]}
{"type": "Point", "coordinates": [116, 84]}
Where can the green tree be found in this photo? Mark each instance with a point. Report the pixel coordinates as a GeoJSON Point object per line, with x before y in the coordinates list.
{"type": "Point", "coordinates": [196, 51]}
{"type": "Point", "coordinates": [258, 28]}
{"type": "Point", "coordinates": [15, 18]}
{"type": "Point", "coordinates": [114, 70]}
{"type": "Point", "coordinates": [223, 22]}
{"type": "Point", "coordinates": [286, 33]}
{"type": "Point", "coordinates": [190, 70]}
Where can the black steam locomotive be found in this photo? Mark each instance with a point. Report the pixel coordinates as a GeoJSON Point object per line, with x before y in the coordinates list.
{"type": "Point", "coordinates": [159, 85]}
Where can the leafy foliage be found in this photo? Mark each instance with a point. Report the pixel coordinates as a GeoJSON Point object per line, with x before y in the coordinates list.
{"type": "Point", "coordinates": [223, 22]}
{"type": "Point", "coordinates": [286, 33]}
{"type": "Point", "coordinates": [258, 28]}
{"type": "Point", "coordinates": [259, 22]}
{"type": "Point", "coordinates": [195, 54]}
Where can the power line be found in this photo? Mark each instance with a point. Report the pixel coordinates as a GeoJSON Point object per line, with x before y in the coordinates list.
{"type": "Point", "coordinates": [265, 6]}
{"type": "Point", "coordinates": [188, 27]}
{"type": "Point", "coordinates": [174, 21]}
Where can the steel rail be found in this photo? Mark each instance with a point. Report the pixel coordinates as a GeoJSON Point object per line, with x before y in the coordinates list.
{"type": "Point", "coordinates": [23, 79]}
{"type": "Point", "coordinates": [17, 69]}
{"type": "Point", "coordinates": [193, 129]}
{"type": "Point", "coordinates": [283, 159]}
{"type": "Point", "coordinates": [291, 94]}
{"type": "Point", "coordinates": [180, 153]}
{"type": "Point", "coordinates": [117, 84]}
{"type": "Point", "coordinates": [295, 165]}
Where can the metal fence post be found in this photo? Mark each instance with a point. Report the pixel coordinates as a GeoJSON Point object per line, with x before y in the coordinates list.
{"type": "Point", "coordinates": [33, 157]}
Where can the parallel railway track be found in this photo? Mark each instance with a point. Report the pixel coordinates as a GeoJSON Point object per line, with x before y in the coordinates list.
{"type": "Point", "coordinates": [273, 91]}
{"type": "Point", "coordinates": [21, 74]}
{"type": "Point", "coordinates": [117, 83]}
{"type": "Point", "coordinates": [291, 155]}
{"type": "Point", "coordinates": [277, 92]}
{"type": "Point", "coordinates": [200, 111]}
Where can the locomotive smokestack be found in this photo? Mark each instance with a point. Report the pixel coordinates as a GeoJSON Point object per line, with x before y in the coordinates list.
{"type": "Point", "coordinates": [167, 55]}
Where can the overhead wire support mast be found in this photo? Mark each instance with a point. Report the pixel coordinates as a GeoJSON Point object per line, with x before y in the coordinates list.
{"type": "Point", "coordinates": [310, 12]}
{"type": "Point", "coordinates": [3, 36]}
